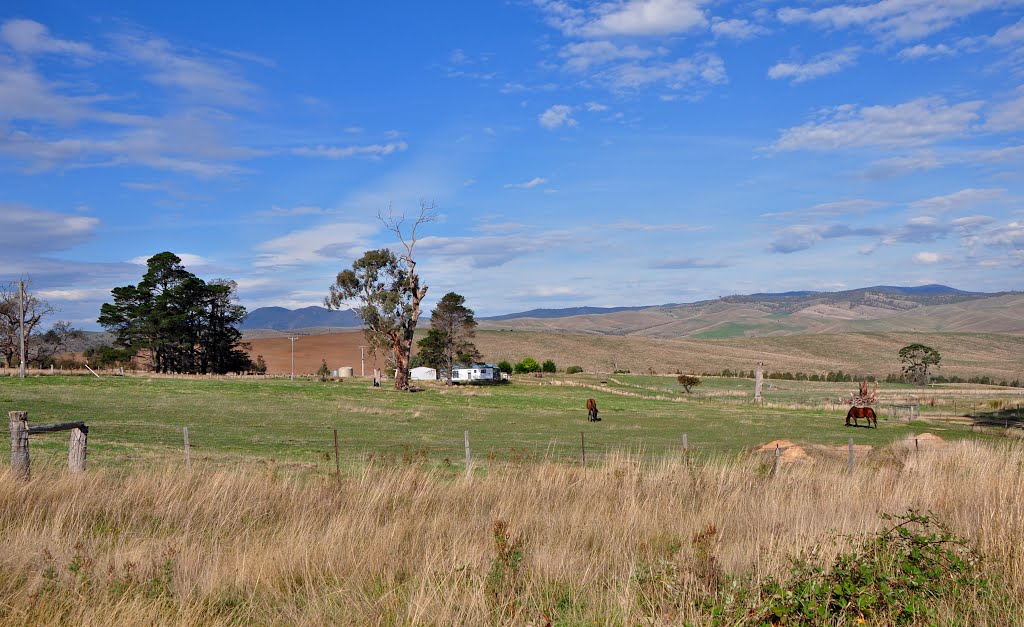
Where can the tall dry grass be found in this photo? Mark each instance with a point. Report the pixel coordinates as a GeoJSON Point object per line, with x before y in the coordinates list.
{"type": "Point", "coordinates": [630, 542]}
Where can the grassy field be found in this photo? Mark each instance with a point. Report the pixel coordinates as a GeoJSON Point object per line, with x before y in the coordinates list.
{"type": "Point", "coordinates": [139, 420]}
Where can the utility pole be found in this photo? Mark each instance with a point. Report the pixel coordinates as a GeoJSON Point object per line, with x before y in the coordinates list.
{"type": "Point", "coordinates": [21, 324]}
{"type": "Point", "coordinates": [362, 362]}
{"type": "Point", "coordinates": [293, 338]}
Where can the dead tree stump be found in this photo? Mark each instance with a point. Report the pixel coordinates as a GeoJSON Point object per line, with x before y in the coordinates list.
{"type": "Point", "coordinates": [758, 382]}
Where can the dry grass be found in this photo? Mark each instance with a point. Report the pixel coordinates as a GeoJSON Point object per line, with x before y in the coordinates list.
{"type": "Point", "coordinates": [965, 355]}
{"type": "Point", "coordinates": [630, 542]}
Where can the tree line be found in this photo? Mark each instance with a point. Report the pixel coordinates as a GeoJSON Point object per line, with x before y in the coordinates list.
{"type": "Point", "coordinates": [178, 322]}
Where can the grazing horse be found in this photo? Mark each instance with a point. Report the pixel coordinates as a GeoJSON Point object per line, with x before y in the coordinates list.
{"type": "Point", "coordinates": [592, 410]}
{"type": "Point", "coordinates": [861, 412]}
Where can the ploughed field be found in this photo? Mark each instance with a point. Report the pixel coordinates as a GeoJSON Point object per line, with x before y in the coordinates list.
{"type": "Point", "coordinates": [138, 420]}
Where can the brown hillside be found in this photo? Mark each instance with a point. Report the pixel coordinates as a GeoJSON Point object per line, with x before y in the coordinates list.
{"type": "Point", "coordinates": [339, 349]}
{"type": "Point", "coordinates": [999, 356]}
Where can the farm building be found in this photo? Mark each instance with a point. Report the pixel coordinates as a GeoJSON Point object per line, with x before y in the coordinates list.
{"type": "Point", "coordinates": [475, 373]}
{"type": "Point", "coordinates": [423, 374]}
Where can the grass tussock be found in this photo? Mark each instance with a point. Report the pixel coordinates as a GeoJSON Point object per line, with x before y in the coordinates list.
{"type": "Point", "coordinates": [629, 542]}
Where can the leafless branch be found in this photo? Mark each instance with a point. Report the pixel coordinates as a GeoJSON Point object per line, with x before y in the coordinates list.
{"type": "Point", "coordinates": [395, 223]}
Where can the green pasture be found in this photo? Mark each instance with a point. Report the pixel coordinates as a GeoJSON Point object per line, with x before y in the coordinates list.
{"type": "Point", "coordinates": [139, 420]}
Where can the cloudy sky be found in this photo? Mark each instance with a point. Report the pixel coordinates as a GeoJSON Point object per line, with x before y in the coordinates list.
{"type": "Point", "coordinates": [580, 153]}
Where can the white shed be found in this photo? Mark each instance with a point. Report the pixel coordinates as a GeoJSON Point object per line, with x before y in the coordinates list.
{"type": "Point", "coordinates": [423, 374]}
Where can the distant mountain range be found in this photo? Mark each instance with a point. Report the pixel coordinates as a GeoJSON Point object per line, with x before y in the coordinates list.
{"type": "Point", "coordinates": [935, 308]}
{"type": "Point", "coordinates": [283, 319]}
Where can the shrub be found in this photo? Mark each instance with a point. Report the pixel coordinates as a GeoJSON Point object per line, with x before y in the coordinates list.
{"type": "Point", "coordinates": [261, 365]}
{"type": "Point", "coordinates": [323, 372]}
{"type": "Point", "coordinates": [549, 366]}
{"type": "Point", "coordinates": [574, 370]}
{"type": "Point", "coordinates": [896, 576]}
{"type": "Point", "coordinates": [505, 366]}
{"type": "Point", "coordinates": [688, 381]}
{"type": "Point", "coordinates": [528, 364]}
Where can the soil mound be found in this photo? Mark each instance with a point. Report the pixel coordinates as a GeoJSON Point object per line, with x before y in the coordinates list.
{"type": "Point", "coordinates": [791, 452]}
{"type": "Point", "coordinates": [924, 441]}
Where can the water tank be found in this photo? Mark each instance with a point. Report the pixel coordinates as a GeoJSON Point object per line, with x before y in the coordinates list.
{"type": "Point", "coordinates": [346, 371]}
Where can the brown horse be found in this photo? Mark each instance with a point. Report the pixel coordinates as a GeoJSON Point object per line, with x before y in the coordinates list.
{"type": "Point", "coordinates": [592, 410]}
{"type": "Point", "coordinates": [861, 412]}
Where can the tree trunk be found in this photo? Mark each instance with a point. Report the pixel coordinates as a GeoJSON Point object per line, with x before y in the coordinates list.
{"type": "Point", "coordinates": [758, 381]}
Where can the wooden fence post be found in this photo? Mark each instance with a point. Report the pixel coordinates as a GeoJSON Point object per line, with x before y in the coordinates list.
{"type": "Point", "coordinates": [20, 461]}
{"type": "Point", "coordinates": [778, 460]}
{"type": "Point", "coordinates": [583, 449]}
{"type": "Point", "coordinates": [337, 458]}
{"type": "Point", "coordinates": [188, 455]}
{"type": "Point", "coordinates": [467, 452]}
{"type": "Point", "coordinates": [77, 449]}
{"type": "Point", "coordinates": [850, 467]}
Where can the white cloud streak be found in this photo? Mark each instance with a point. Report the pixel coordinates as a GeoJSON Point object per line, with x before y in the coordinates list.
{"type": "Point", "coordinates": [821, 65]}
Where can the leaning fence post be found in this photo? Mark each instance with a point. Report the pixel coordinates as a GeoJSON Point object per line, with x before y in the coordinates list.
{"type": "Point", "coordinates": [188, 456]}
{"type": "Point", "coordinates": [778, 460]}
{"type": "Point", "coordinates": [20, 462]}
{"type": "Point", "coordinates": [77, 449]}
{"type": "Point", "coordinates": [467, 452]}
{"type": "Point", "coordinates": [583, 449]}
{"type": "Point", "coordinates": [850, 466]}
{"type": "Point", "coordinates": [337, 458]}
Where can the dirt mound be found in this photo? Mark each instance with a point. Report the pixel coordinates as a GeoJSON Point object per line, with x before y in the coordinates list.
{"type": "Point", "coordinates": [924, 442]}
{"type": "Point", "coordinates": [790, 452]}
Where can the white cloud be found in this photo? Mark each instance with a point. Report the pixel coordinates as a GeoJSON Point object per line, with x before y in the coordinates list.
{"type": "Point", "coordinates": [1008, 35]}
{"type": "Point", "coordinates": [846, 207]}
{"type": "Point", "coordinates": [327, 242]}
{"type": "Point", "coordinates": [534, 182]}
{"type": "Point", "coordinates": [556, 116]}
{"type": "Point", "coordinates": [30, 37]}
{"type": "Point", "coordinates": [821, 65]}
{"type": "Point", "coordinates": [581, 56]}
{"type": "Point", "coordinates": [637, 18]}
{"type": "Point", "coordinates": [596, 106]}
{"type": "Point", "coordinates": [894, 19]}
{"type": "Point", "coordinates": [675, 74]}
{"type": "Point", "coordinates": [921, 51]}
{"type": "Point", "coordinates": [344, 152]}
{"type": "Point", "coordinates": [31, 231]}
{"type": "Point", "coordinates": [202, 79]}
{"type": "Point", "coordinates": [1008, 115]}
{"type": "Point", "coordinates": [187, 259]}
{"type": "Point", "coordinates": [899, 166]}
{"type": "Point", "coordinates": [803, 236]}
{"type": "Point", "coordinates": [97, 293]}
{"type": "Point", "coordinates": [735, 28]}
{"type": "Point", "coordinates": [964, 199]}
{"type": "Point", "coordinates": [928, 257]}
{"type": "Point", "coordinates": [916, 123]}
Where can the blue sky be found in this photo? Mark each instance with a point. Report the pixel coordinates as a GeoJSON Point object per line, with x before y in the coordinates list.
{"type": "Point", "coordinates": [580, 153]}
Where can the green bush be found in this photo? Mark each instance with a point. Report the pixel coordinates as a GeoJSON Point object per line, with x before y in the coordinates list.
{"type": "Point", "coordinates": [574, 370]}
{"type": "Point", "coordinates": [528, 364]}
{"type": "Point", "coordinates": [896, 576]}
{"type": "Point", "coordinates": [549, 366]}
{"type": "Point", "coordinates": [504, 366]}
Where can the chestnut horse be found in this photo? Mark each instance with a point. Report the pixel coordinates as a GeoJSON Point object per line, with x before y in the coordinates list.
{"type": "Point", "coordinates": [861, 412]}
{"type": "Point", "coordinates": [592, 410]}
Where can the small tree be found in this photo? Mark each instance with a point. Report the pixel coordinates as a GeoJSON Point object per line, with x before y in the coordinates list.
{"type": "Point", "coordinates": [505, 366]}
{"type": "Point", "coordinates": [549, 366]}
{"type": "Point", "coordinates": [688, 381]}
{"type": "Point", "coordinates": [450, 339]}
{"type": "Point", "coordinates": [323, 371]}
{"type": "Point", "coordinates": [260, 366]}
{"type": "Point", "coordinates": [916, 359]}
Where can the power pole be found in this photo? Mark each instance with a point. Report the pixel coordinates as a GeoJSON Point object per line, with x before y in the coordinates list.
{"type": "Point", "coordinates": [362, 362]}
{"type": "Point", "coordinates": [21, 324]}
{"type": "Point", "coordinates": [293, 338]}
